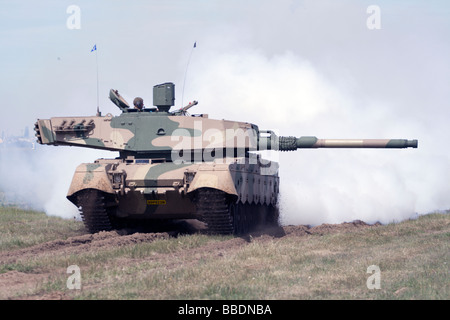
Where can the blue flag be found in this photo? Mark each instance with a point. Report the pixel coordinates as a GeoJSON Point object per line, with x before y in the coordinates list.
{"type": "Point", "coordinates": [94, 48]}
{"type": "Point", "coordinates": [195, 44]}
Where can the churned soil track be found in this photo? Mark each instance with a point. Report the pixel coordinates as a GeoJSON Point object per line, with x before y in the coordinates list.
{"type": "Point", "coordinates": [15, 281]}
{"type": "Point", "coordinates": [74, 245]}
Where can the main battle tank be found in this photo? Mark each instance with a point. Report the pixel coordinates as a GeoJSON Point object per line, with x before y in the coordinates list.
{"type": "Point", "coordinates": [172, 165]}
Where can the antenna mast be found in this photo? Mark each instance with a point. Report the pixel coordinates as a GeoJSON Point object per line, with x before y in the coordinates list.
{"type": "Point", "coordinates": [185, 73]}
{"type": "Point", "coordinates": [96, 62]}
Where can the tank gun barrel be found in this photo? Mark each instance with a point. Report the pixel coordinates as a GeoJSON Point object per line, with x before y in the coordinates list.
{"type": "Point", "coordinates": [289, 143]}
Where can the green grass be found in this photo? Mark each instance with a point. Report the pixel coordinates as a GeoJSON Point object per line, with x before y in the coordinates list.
{"type": "Point", "coordinates": [413, 257]}
{"type": "Point", "coordinates": [23, 228]}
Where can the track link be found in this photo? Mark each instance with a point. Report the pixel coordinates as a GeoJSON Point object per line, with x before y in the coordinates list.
{"type": "Point", "coordinates": [92, 206]}
{"type": "Point", "coordinates": [213, 206]}
{"type": "Point", "coordinates": [224, 216]}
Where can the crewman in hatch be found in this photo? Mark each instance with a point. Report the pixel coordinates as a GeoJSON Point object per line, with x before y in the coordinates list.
{"type": "Point", "coordinates": [138, 103]}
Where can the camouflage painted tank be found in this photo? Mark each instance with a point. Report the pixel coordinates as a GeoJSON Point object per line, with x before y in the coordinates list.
{"type": "Point", "coordinates": [176, 166]}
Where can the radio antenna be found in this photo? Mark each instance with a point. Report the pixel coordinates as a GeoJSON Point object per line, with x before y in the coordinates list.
{"type": "Point", "coordinates": [185, 73]}
{"type": "Point", "coordinates": [96, 62]}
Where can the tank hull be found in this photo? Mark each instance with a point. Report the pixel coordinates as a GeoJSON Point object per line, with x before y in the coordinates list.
{"type": "Point", "coordinates": [126, 190]}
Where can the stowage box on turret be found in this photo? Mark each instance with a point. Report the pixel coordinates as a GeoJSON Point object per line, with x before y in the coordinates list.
{"type": "Point", "coordinates": [172, 165]}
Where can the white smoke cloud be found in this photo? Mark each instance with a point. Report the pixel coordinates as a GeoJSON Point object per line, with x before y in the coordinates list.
{"type": "Point", "coordinates": [287, 93]}
{"type": "Point", "coordinates": [40, 178]}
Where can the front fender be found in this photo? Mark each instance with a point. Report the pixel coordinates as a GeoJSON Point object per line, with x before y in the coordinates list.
{"type": "Point", "coordinates": [216, 178]}
{"type": "Point", "coordinates": [90, 176]}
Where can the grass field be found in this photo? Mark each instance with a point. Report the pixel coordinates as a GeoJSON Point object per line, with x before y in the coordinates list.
{"type": "Point", "coordinates": [412, 258]}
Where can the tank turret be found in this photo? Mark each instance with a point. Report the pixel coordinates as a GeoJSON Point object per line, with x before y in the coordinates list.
{"type": "Point", "coordinates": [173, 165]}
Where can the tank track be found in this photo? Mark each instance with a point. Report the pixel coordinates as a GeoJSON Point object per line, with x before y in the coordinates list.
{"type": "Point", "coordinates": [223, 216]}
{"type": "Point", "coordinates": [93, 211]}
{"type": "Point", "coordinates": [213, 206]}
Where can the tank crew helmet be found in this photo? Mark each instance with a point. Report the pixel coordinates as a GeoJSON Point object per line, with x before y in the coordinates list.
{"type": "Point", "coordinates": [138, 103]}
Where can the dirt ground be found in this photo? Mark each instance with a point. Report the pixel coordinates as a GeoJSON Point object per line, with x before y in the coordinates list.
{"type": "Point", "coordinates": [15, 281]}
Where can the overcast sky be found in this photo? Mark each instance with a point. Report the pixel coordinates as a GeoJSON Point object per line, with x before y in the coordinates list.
{"type": "Point", "coordinates": [298, 67]}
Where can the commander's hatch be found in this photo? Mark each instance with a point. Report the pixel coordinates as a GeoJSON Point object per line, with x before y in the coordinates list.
{"type": "Point", "coordinates": [118, 100]}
